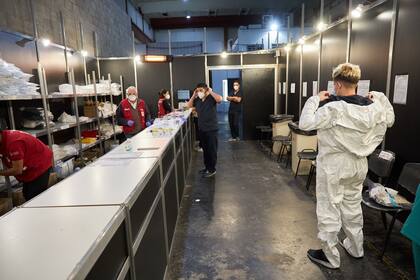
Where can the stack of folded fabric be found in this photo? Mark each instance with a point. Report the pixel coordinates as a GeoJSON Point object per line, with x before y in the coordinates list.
{"type": "Point", "coordinates": [15, 82]}
{"type": "Point", "coordinates": [107, 109]}
{"type": "Point", "coordinates": [34, 118]}
{"type": "Point", "coordinates": [101, 88]}
{"type": "Point", "coordinates": [107, 129]}
{"type": "Point", "coordinates": [64, 150]}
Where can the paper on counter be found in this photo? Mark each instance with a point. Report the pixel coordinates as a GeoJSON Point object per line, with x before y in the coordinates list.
{"type": "Point", "coordinates": [106, 162]}
{"type": "Point", "coordinates": [401, 89]}
{"type": "Point", "coordinates": [122, 155]}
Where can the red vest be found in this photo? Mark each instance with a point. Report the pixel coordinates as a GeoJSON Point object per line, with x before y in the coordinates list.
{"type": "Point", "coordinates": [161, 108]}
{"type": "Point", "coordinates": [126, 107]}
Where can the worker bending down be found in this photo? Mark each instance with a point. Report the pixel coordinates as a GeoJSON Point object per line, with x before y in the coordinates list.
{"type": "Point", "coordinates": [350, 127]}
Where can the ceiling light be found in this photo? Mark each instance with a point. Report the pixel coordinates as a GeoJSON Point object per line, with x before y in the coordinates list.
{"type": "Point", "coordinates": [321, 26]}
{"type": "Point", "coordinates": [287, 48]}
{"type": "Point", "coordinates": [137, 58]}
{"type": "Point", "coordinates": [84, 53]}
{"type": "Point", "coordinates": [45, 42]}
{"type": "Point", "coordinates": [156, 58]}
{"type": "Point", "coordinates": [224, 55]}
{"type": "Point", "coordinates": [302, 40]}
{"type": "Point", "coordinates": [188, 16]}
{"type": "Point", "coordinates": [274, 26]}
{"type": "Point", "coordinates": [357, 13]}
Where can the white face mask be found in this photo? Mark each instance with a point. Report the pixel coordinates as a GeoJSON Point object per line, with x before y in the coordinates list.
{"type": "Point", "coordinates": [167, 97]}
{"type": "Point", "coordinates": [132, 98]}
{"type": "Point", "coordinates": [236, 88]}
{"type": "Point", "coordinates": [201, 95]}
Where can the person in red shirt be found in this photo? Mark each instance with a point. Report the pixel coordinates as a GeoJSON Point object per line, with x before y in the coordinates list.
{"type": "Point", "coordinates": [26, 158]}
{"type": "Point", "coordinates": [132, 113]}
{"type": "Point", "coordinates": [164, 103]}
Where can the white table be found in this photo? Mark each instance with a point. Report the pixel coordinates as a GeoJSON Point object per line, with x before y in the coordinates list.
{"type": "Point", "coordinates": [55, 243]}
{"type": "Point", "coordinates": [104, 183]}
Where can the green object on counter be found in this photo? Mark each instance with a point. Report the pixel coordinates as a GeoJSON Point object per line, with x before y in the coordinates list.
{"type": "Point", "coordinates": [411, 230]}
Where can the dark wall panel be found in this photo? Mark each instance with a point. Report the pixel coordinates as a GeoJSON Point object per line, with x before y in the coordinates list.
{"type": "Point", "coordinates": [310, 65]}
{"type": "Point", "coordinates": [370, 45]}
{"type": "Point", "coordinates": [19, 51]}
{"type": "Point", "coordinates": [259, 58]}
{"type": "Point", "coordinates": [76, 63]}
{"type": "Point", "coordinates": [334, 48]}
{"type": "Point", "coordinates": [116, 68]}
{"type": "Point", "coordinates": [91, 65]}
{"type": "Point", "coordinates": [294, 68]}
{"type": "Point", "coordinates": [403, 138]}
{"type": "Point", "coordinates": [187, 73]}
{"type": "Point", "coordinates": [258, 104]}
{"type": "Point", "coordinates": [217, 60]}
{"type": "Point", "coordinates": [152, 77]}
{"type": "Point", "coordinates": [52, 59]}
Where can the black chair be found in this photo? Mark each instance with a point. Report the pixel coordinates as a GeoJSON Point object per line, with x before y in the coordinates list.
{"type": "Point", "coordinates": [305, 154]}
{"type": "Point", "coordinates": [312, 171]}
{"type": "Point", "coordinates": [408, 181]}
{"type": "Point", "coordinates": [282, 140]}
{"type": "Point", "coordinates": [380, 165]}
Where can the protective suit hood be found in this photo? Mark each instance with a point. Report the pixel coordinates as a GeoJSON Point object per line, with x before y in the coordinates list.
{"type": "Point", "coordinates": [351, 128]}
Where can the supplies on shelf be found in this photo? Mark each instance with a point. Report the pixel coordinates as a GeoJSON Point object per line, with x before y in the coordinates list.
{"type": "Point", "coordinates": [13, 81]}
{"type": "Point", "coordinates": [108, 131]}
{"type": "Point", "coordinates": [89, 109]}
{"type": "Point", "coordinates": [64, 169]}
{"type": "Point", "coordinates": [107, 109]}
{"type": "Point", "coordinates": [66, 118]}
{"type": "Point", "coordinates": [34, 118]}
{"type": "Point", "coordinates": [64, 150]}
{"type": "Point", "coordinates": [102, 88]}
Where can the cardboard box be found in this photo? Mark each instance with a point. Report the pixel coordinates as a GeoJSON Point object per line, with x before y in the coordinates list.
{"type": "Point", "coordinates": [6, 204]}
{"type": "Point", "coordinates": [89, 109]}
{"type": "Point", "coordinates": [17, 197]}
{"type": "Point", "coordinates": [53, 179]}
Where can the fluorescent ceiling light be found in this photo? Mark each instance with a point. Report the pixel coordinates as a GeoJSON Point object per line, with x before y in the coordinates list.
{"type": "Point", "coordinates": [45, 42]}
{"type": "Point", "coordinates": [84, 53]}
{"type": "Point", "coordinates": [274, 26]}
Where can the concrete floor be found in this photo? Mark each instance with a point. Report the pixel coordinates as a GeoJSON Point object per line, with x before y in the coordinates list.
{"type": "Point", "coordinates": [255, 221]}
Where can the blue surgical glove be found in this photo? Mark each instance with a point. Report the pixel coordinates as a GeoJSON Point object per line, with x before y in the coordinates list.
{"type": "Point", "coordinates": [148, 124]}
{"type": "Point", "coordinates": [130, 123]}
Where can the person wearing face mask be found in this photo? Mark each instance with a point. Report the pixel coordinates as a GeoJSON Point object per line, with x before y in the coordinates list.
{"type": "Point", "coordinates": [132, 113]}
{"type": "Point", "coordinates": [235, 109]}
{"type": "Point", "coordinates": [164, 103]}
{"type": "Point", "coordinates": [204, 100]}
{"type": "Point", "coordinates": [349, 128]}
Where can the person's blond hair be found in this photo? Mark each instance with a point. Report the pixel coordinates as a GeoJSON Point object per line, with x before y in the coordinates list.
{"type": "Point", "coordinates": [347, 73]}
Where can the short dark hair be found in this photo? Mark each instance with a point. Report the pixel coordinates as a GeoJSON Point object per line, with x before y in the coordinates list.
{"type": "Point", "coordinates": [201, 85]}
{"type": "Point", "coordinates": [162, 92]}
{"type": "Point", "coordinates": [237, 81]}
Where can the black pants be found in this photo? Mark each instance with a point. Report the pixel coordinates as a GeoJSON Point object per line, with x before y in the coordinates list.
{"type": "Point", "coordinates": [37, 186]}
{"type": "Point", "coordinates": [208, 141]}
{"type": "Point", "coordinates": [234, 123]}
{"type": "Point", "coordinates": [197, 132]}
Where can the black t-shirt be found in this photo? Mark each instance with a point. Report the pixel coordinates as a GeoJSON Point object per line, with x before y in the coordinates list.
{"type": "Point", "coordinates": [234, 106]}
{"type": "Point", "coordinates": [353, 99]}
{"type": "Point", "coordinates": [207, 113]}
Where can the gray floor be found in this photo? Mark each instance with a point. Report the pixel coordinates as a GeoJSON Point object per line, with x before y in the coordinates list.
{"type": "Point", "coordinates": [255, 221]}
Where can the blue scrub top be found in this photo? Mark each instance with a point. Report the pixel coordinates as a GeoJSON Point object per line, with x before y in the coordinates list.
{"type": "Point", "coordinates": [411, 228]}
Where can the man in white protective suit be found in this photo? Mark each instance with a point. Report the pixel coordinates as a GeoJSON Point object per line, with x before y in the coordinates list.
{"type": "Point", "coordinates": [349, 128]}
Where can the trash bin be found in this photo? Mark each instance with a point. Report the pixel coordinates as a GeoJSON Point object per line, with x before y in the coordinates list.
{"type": "Point", "coordinates": [280, 128]}
{"type": "Point", "coordinates": [302, 140]}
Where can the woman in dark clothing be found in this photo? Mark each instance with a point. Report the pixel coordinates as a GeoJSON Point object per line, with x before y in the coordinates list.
{"type": "Point", "coordinates": [164, 103]}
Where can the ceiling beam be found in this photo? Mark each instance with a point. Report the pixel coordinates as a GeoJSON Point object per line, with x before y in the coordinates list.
{"type": "Point", "coordinates": [206, 21]}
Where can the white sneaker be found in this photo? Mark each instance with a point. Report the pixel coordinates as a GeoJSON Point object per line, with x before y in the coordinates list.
{"type": "Point", "coordinates": [231, 139]}
{"type": "Point", "coordinates": [199, 149]}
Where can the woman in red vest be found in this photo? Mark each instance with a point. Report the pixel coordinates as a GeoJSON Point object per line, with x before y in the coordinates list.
{"type": "Point", "coordinates": [26, 158]}
{"type": "Point", "coordinates": [132, 113]}
{"type": "Point", "coordinates": [164, 105]}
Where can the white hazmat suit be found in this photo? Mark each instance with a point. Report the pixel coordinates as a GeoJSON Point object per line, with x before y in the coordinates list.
{"type": "Point", "coordinates": [347, 134]}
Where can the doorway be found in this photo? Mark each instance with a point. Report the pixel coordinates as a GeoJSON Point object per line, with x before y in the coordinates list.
{"type": "Point", "coordinates": [221, 81]}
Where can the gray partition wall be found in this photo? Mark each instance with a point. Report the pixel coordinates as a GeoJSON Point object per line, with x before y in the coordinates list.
{"type": "Point", "coordinates": [294, 68]}
{"type": "Point", "coordinates": [334, 49]}
{"type": "Point", "coordinates": [151, 78]}
{"type": "Point", "coordinates": [370, 45]}
{"type": "Point", "coordinates": [117, 67]}
{"type": "Point", "coordinates": [310, 57]}
{"type": "Point", "coordinates": [403, 138]}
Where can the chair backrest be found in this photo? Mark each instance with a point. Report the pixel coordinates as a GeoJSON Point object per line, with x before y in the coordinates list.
{"type": "Point", "coordinates": [381, 162]}
{"type": "Point", "coordinates": [410, 177]}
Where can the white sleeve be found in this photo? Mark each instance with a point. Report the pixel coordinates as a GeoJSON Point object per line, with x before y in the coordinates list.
{"type": "Point", "coordinates": [314, 118]}
{"type": "Point", "coordinates": [385, 107]}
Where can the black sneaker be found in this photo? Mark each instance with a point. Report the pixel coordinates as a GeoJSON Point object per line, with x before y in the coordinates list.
{"type": "Point", "coordinates": [318, 256]}
{"type": "Point", "coordinates": [209, 174]}
{"type": "Point", "coordinates": [202, 171]}
{"type": "Point", "coordinates": [348, 252]}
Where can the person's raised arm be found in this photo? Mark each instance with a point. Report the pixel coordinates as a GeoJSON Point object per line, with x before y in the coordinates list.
{"type": "Point", "coordinates": [218, 98]}
{"type": "Point", "coordinates": [190, 103]}
{"type": "Point", "coordinates": [313, 118]}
